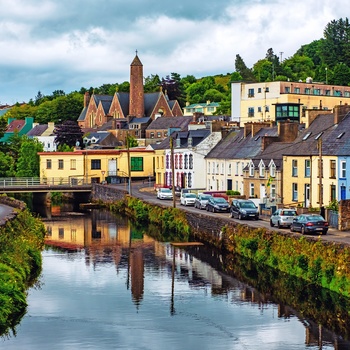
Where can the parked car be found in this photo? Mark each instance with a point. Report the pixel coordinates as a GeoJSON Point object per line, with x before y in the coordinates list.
{"type": "Point", "coordinates": [201, 200]}
{"type": "Point", "coordinates": [283, 217]}
{"type": "Point", "coordinates": [217, 204]}
{"type": "Point", "coordinates": [164, 193]}
{"type": "Point", "coordinates": [309, 223]}
{"type": "Point", "coordinates": [188, 199]}
{"type": "Point", "coordinates": [244, 209]}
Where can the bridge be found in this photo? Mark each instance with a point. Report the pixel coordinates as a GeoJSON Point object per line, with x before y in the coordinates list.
{"type": "Point", "coordinates": [43, 185]}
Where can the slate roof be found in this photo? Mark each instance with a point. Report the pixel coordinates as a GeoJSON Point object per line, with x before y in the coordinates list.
{"type": "Point", "coordinates": [236, 146]}
{"type": "Point", "coordinates": [197, 137]}
{"type": "Point", "coordinates": [82, 115]}
{"type": "Point", "coordinates": [38, 130]}
{"type": "Point", "coordinates": [307, 141]}
{"type": "Point", "coordinates": [275, 152]}
{"type": "Point", "coordinates": [143, 120]}
{"type": "Point", "coordinates": [170, 122]}
{"type": "Point", "coordinates": [211, 104]}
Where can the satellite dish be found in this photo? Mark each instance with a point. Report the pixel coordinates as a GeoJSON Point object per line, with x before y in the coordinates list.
{"type": "Point", "coordinates": [77, 144]}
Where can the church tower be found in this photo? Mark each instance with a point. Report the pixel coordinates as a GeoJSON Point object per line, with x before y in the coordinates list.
{"type": "Point", "coordinates": [136, 102]}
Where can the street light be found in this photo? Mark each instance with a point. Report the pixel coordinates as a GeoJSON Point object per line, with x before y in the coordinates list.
{"type": "Point", "coordinates": [326, 75]}
{"type": "Point", "coordinates": [103, 175]}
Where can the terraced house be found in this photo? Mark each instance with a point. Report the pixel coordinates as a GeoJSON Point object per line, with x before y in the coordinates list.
{"type": "Point", "coordinates": [316, 167]}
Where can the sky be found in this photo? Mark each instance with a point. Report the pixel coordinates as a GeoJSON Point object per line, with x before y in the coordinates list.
{"type": "Point", "coordinates": [48, 45]}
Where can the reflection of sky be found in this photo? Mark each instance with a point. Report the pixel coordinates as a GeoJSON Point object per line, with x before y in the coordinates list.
{"type": "Point", "coordinates": [82, 307]}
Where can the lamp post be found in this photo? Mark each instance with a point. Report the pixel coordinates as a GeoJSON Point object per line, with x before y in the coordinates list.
{"type": "Point", "coordinates": [103, 175]}
{"type": "Point", "coordinates": [326, 75]}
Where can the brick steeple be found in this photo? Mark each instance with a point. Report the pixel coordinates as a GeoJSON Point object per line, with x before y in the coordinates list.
{"type": "Point", "coordinates": [136, 102]}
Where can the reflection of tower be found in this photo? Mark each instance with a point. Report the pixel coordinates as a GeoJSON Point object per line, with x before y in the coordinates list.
{"type": "Point", "coordinates": [137, 274]}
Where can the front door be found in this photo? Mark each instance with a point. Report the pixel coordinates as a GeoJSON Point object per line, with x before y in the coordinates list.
{"type": "Point", "coordinates": [307, 195]}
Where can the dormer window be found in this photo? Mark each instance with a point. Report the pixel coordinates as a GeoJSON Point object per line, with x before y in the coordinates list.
{"type": "Point", "coordinates": [273, 170]}
{"type": "Point", "coordinates": [251, 169]}
{"type": "Point", "coordinates": [262, 170]}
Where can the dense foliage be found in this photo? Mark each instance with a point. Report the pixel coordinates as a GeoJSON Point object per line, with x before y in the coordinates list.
{"type": "Point", "coordinates": [325, 60]}
{"type": "Point", "coordinates": [68, 133]}
{"type": "Point", "coordinates": [21, 242]}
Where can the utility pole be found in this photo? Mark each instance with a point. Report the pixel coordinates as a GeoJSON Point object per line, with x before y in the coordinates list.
{"type": "Point", "coordinates": [172, 169]}
{"type": "Point", "coordinates": [320, 171]}
{"type": "Point", "coordinates": [129, 166]}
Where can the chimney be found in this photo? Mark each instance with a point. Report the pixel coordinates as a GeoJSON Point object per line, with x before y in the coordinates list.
{"type": "Point", "coordinates": [340, 112]}
{"type": "Point", "coordinates": [86, 99]}
{"type": "Point", "coordinates": [247, 129]}
{"type": "Point", "coordinates": [287, 131]}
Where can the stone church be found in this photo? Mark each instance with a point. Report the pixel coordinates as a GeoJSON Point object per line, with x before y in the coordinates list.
{"type": "Point", "coordinates": [128, 111]}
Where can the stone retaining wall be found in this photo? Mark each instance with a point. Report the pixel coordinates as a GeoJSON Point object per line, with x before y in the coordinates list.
{"type": "Point", "coordinates": [107, 194]}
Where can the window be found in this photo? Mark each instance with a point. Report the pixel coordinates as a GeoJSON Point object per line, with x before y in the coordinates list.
{"type": "Point", "coordinates": [307, 168]}
{"type": "Point", "coordinates": [262, 170]}
{"type": "Point", "coordinates": [267, 89]}
{"type": "Point", "coordinates": [251, 169]}
{"type": "Point", "coordinates": [237, 168]}
{"type": "Point", "coordinates": [259, 109]}
{"type": "Point", "coordinates": [287, 90]}
{"type": "Point", "coordinates": [294, 167]}
{"type": "Point", "coordinates": [317, 91]}
{"type": "Point", "coordinates": [251, 190]}
{"type": "Point", "coordinates": [73, 164]}
{"type": "Point", "coordinates": [48, 164]}
{"type": "Point", "coordinates": [217, 168]}
{"type": "Point", "coordinates": [333, 169]}
{"type": "Point", "coordinates": [152, 135]}
{"type": "Point", "coordinates": [180, 161]}
{"type": "Point", "coordinates": [167, 161]}
{"type": "Point", "coordinates": [222, 168]}
{"type": "Point", "coordinates": [297, 90]}
{"type": "Point", "coordinates": [189, 182]}
{"type": "Point", "coordinates": [250, 92]}
{"type": "Point", "coordinates": [136, 164]}
{"type": "Point", "coordinates": [176, 161]}
{"type": "Point", "coordinates": [273, 190]}
{"type": "Point", "coordinates": [307, 91]}
{"type": "Point", "coordinates": [251, 112]}
{"type": "Point", "coordinates": [273, 170]}
{"type": "Point", "coordinates": [328, 92]}
{"type": "Point", "coordinates": [96, 164]}
{"type": "Point", "coordinates": [159, 134]}
{"type": "Point", "coordinates": [208, 168]}
{"type": "Point", "coordinates": [259, 90]}
{"type": "Point", "coordinates": [343, 169]}
{"type": "Point", "coordinates": [333, 192]}
{"type": "Point", "coordinates": [229, 169]}
{"type": "Point", "coordinates": [295, 192]}
{"type": "Point", "coordinates": [60, 164]}
{"type": "Point", "coordinates": [186, 161]}
{"type": "Point", "coordinates": [191, 161]}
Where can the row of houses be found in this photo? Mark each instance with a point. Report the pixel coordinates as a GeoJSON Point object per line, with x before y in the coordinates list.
{"type": "Point", "coordinates": [286, 163]}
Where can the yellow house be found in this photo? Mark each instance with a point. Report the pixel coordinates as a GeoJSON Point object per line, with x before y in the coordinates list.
{"type": "Point", "coordinates": [311, 172]}
{"type": "Point", "coordinates": [283, 100]}
{"type": "Point", "coordinates": [159, 167]}
{"type": "Point", "coordinates": [110, 165]}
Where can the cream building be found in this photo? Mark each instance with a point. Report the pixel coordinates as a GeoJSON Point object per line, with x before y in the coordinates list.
{"type": "Point", "coordinates": [283, 100]}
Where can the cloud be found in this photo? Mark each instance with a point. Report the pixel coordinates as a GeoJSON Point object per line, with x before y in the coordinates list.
{"type": "Point", "coordinates": [66, 45]}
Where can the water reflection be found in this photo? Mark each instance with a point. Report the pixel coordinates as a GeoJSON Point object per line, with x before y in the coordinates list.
{"type": "Point", "coordinates": [184, 298]}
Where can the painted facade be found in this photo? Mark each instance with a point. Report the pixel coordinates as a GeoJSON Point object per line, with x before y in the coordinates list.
{"type": "Point", "coordinates": [282, 100]}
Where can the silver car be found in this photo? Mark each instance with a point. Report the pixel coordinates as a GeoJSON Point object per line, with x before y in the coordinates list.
{"type": "Point", "coordinates": [283, 217]}
{"type": "Point", "coordinates": [201, 200]}
{"type": "Point", "coordinates": [188, 199]}
{"type": "Point", "coordinates": [164, 193]}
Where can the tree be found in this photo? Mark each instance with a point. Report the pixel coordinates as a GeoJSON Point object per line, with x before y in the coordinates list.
{"type": "Point", "coordinates": [152, 83]}
{"type": "Point", "coordinates": [131, 141]}
{"type": "Point", "coordinates": [28, 164]}
{"type": "Point", "coordinates": [6, 165]}
{"type": "Point", "coordinates": [173, 87]}
{"type": "Point", "coordinates": [243, 70]}
{"type": "Point", "coordinates": [68, 133]}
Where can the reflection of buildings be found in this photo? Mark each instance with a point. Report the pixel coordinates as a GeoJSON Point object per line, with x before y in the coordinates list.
{"type": "Point", "coordinates": [110, 239]}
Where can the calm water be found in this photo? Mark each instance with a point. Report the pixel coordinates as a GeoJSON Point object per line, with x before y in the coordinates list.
{"type": "Point", "coordinates": [113, 287]}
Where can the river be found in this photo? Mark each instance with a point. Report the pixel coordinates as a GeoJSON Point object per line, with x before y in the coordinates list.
{"type": "Point", "coordinates": [108, 285]}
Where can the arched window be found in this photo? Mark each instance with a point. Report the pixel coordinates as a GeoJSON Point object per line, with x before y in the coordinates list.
{"type": "Point", "coordinates": [191, 161]}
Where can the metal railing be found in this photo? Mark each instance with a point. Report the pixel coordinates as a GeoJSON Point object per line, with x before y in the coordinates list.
{"type": "Point", "coordinates": [6, 182]}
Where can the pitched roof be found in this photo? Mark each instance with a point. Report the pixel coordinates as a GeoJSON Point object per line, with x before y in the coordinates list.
{"type": "Point", "coordinates": [38, 130]}
{"type": "Point", "coordinates": [15, 125]}
{"type": "Point", "coordinates": [170, 122]}
{"type": "Point", "coordinates": [236, 146]}
{"type": "Point", "coordinates": [182, 136]}
{"type": "Point", "coordinates": [306, 143]}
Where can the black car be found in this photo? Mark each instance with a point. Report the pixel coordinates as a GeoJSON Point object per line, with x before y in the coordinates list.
{"type": "Point", "coordinates": [217, 204]}
{"type": "Point", "coordinates": [309, 223]}
{"type": "Point", "coordinates": [244, 209]}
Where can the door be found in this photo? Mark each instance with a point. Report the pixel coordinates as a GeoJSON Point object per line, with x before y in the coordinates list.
{"type": "Point", "coordinates": [112, 167]}
{"type": "Point", "coordinates": [229, 184]}
{"type": "Point", "coordinates": [307, 195]}
{"type": "Point", "coordinates": [342, 192]}
{"type": "Point", "coordinates": [262, 191]}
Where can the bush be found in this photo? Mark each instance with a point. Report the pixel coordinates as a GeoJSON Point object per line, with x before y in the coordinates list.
{"type": "Point", "coordinates": [233, 193]}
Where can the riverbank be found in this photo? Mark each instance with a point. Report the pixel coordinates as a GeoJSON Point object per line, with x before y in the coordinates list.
{"type": "Point", "coordinates": [21, 243]}
{"type": "Point", "coordinates": [318, 262]}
